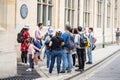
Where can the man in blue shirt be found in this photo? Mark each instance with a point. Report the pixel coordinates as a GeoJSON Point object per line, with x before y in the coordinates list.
{"type": "Point", "coordinates": [92, 42]}
{"type": "Point", "coordinates": [67, 55]}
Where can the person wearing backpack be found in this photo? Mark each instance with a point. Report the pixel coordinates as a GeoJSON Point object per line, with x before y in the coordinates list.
{"type": "Point", "coordinates": [24, 45]}
{"type": "Point", "coordinates": [47, 48]}
{"type": "Point", "coordinates": [56, 44]}
{"type": "Point", "coordinates": [81, 43]}
{"type": "Point", "coordinates": [92, 45]}
{"type": "Point", "coordinates": [67, 50]}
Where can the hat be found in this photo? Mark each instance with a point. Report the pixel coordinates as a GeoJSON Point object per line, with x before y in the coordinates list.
{"type": "Point", "coordinates": [50, 31]}
{"type": "Point", "coordinates": [27, 26]}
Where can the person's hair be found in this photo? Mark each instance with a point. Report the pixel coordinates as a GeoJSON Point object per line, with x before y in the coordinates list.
{"type": "Point", "coordinates": [30, 40]}
{"type": "Point", "coordinates": [71, 30]}
{"type": "Point", "coordinates": [79, 28]}
{"type": "Point", "coordinates": [40, 24]}
{"type": "Point", "coordinates": [75, 31]}
{"type": "Point", "coordinates": [67, 27]}
{"type": "Point", "coordinates": [58, 34]}
{"type": "Point", "coordinates": [91, 29]}
{"type": "Point", "coordinates": [24, 29]}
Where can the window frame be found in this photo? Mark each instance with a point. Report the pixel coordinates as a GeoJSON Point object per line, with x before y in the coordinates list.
{"type": "Point", "coordinates": [71, 9]}
{"type": "Point", "coordinates": [40, 19]}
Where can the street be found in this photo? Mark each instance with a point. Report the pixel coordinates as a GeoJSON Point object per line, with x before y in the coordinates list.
{"type": "Point", "coordinates": [110, 72]}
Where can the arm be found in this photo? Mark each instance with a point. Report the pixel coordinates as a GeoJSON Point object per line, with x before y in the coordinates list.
{"type": "Point", "coordinates": [50, 44]}
{"type": "Point", "coordinates": [36, 48]}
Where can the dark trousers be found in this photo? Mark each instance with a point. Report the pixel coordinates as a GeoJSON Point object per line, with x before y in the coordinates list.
{"type": "Point", "coordinates": [74, 59]}
{"type": "Point", "coordinates": [81, 58]}
{"type": "Point", "coordinates": [24, 56]}
{"type": "Point", "coordinates": [31, 61]}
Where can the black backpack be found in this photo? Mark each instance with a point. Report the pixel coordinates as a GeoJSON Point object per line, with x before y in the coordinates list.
{"type": "Point", "coordinates": [20, 38]}
{"type": "Point", "coordinates": [83, 40]}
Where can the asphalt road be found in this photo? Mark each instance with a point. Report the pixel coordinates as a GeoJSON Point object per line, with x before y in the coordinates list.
{"type": "Point", "coordinates": [110, 72]}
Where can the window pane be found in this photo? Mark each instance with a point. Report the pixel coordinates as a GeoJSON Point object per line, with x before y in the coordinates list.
{"type": "Point", "coordinates": [38, 13]}
{"type": "Point", "coordinates": [68, 16]}
{"type": "Point", "coordinates": [69, 3]}
{"type": "Point", "coordinates": [73, 4]}
{"type": "Point", "coordinates": [44, 15]}
{"type": "Point", "coordinates": [50, 1]}
{"type": "Point", "coordinates": [65, 16]}
{"type": "Point", "coordinates": [45, 1]}
{"type": "Point", "coordinates": [39, 0]}
{"type": "Point", "coordinates": [72, 18]}
{"type": "Point", "coordinates": [50, 15]}
{"type": "Point", "coordinates": [66, 3]}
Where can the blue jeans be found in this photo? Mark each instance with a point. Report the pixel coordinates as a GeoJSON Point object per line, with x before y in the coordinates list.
{"type": "Point", "coordinates": [64, 59]}
{"type": "Point", "coordinates": [31, 61]}
{"type": "Point", "coordinates": [90, 54]}
{"type": "Point", "coordinates": [67, 60]}
{"type": "Point", "coordinates": [55, 54]}
{"type": "Point", "coordinates": [48, 53]}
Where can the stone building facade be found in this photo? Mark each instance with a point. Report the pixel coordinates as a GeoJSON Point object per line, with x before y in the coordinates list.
{"type": "Point", "coordinates": [102, 15]}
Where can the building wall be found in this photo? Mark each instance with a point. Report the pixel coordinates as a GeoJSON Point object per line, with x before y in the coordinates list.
{"type": "Point", "coordinates": [8, 61]}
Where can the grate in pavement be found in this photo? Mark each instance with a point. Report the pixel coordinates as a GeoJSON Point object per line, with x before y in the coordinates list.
{"type": "Point", "coordinates": [23, 74]}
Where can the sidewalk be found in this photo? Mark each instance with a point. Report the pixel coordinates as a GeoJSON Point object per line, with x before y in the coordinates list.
{"type": "Point", "coordinates": [98, 55]}
{"type": "Point", "coordinates": [41, 72]}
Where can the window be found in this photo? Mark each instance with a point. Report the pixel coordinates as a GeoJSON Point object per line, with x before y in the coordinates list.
{"type": "Point", "coordinates": [86, 13]}
{"type": "Point", "coordinates": [69, 12]}
{"type": "Point", "coordinates": [44, 12]}
{"type": "Point", "coordinates": [99, 13]}
{"type": "Point", "coordinates": [108, 14]}
{"type": "Point", "coordinates": [78, 18]}
{"type": "Point", "coordinates": [115, 14]}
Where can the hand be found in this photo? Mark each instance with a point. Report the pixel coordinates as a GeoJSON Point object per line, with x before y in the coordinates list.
{"type": "Point", "coordinates": [32, 56]}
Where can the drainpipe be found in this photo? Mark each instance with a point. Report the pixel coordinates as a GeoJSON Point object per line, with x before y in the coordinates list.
{"type": "Point", "coordinates": [104, 12]}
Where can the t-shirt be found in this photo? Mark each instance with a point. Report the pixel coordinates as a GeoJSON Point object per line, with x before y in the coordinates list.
{"type": "Point", "coordinates": [37, 44]}
{"type": "Point", "coordinates": [91, 37]}
{"type": "Point", "coordinates": [56, 43]}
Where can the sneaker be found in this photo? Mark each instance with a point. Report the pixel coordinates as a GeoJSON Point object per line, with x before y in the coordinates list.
{"type": "Point", "coordinates": [68, 71]}
{"type": "Point", "coordinates": [25, 64]}
{"type": "Point", "coordinates": [29, 69]}
{"type": "Point", "coordinates": [36, 66]}
{"type": "Point", "coordinates": [62, 72]}
{"type": "Point", "coordinates": [89, 63]}
{"type": "Point", "coordinates": [77, 69]}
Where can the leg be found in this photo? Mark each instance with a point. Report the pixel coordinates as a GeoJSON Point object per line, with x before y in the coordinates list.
{"type": "Point", "coordinates": [64, 58]}
{"type": "Point", "coordinates": [83, 58]}
{"type": "Point", "coordinates": [25, 56]}
{"type": "Point", "coordinates": [90, 54]}
{"type": "Point", "coordinates": [48, 58]}
{"type": "Point", "coordinates": [58, 61]}
{"type": "Point", "coordinates": [22, 57]}
{"type": "Point", "coordinates": [79, 62]}
{"type": "Point", "coordinates": [74, 57]}
{"type": "Point", "coordinates": [70, 64]}
{"type": "Point", "coordinates": [52, 62]}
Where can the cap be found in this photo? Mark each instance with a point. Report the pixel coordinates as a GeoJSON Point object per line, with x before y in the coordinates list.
{"type": "Point", "coordinates": [27, 26]}
{"type": "Point", "coordinates": [50, 31]}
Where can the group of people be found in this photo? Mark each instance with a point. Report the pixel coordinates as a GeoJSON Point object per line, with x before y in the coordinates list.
{"type": "Point", "coordinates": [64, 47]}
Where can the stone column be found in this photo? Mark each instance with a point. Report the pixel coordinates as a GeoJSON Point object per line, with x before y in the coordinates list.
{"type": "Point", "coordinates": [8, 62]}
